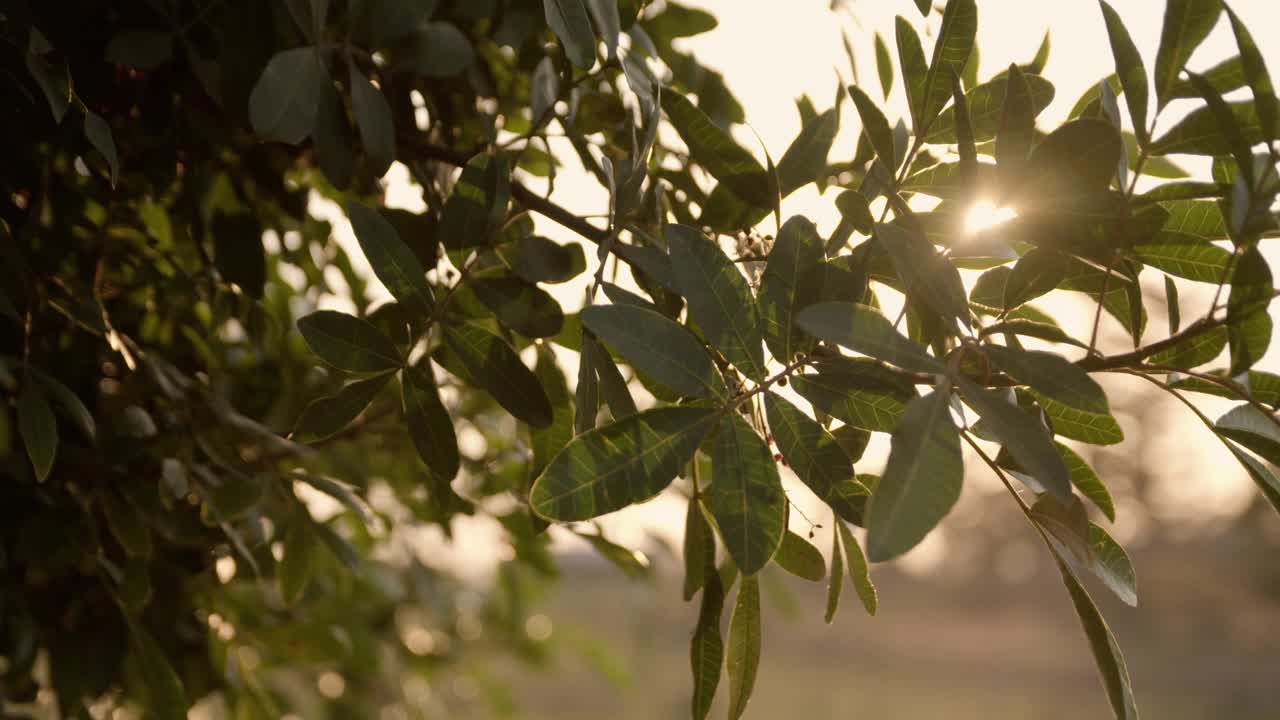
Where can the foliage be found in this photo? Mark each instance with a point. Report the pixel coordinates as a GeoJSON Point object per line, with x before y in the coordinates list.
{"type": "Point", "coordinates": [175, 397]}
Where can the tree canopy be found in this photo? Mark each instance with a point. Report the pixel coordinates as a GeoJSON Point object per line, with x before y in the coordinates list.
{"type": "Point", "coordinates": [178, 391]}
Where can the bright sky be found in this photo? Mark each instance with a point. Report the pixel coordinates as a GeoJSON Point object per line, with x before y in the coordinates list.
{"type": "Point", "coordinates": [770, 53]}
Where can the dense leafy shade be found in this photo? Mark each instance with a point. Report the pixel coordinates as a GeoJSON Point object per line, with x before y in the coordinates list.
{"type": "Point", "coordinates": [520, 305]}
{"type": "Point", "coordinates": [746, 496]}
{"type": "Point", "coordinates": [477, 205]}
{"type": "Point", "coordinates": [39, 429]}
{"type": "Point", "coordinates": [921, 481]}
{"type": "Point", "coordinates": [619, 464]}
{"type": "Point", "coordinates": [656, 346]}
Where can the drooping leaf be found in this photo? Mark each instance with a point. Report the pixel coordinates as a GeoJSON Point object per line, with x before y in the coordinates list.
{"type": "Point", "coordinates": [520, 305]}
{"type": "Point", "coordinates": [1172, 309]}
{"type": "Point", "coordinates": [1186, 24]}
{"type": "Point", "coordinates": [1067, 523]}
{"type": "Point", "coordinates": [876, 127]}
{"type": "Point", "coordinates": [787, 286]}
{"type": "Point", "coordinates": [1023, 436]}
{"type": "Point", "coordinates": [746, 497]}
{"type": "Point", "coordinates": [485, 360]}
{"type": "Point", "coordinates": [699, 550]}
{"type": "Point", "coordinates": [391, 259]}
{"type": "Point", "coordinates": [325, 417]}
{"type": "Point", "coordinates": [569, 20]}
{"type": "Point", "coordinates": [1261, 475]}
{"type": "Point", "coordinates": [720, 301]}
{"type": "Point", "coordinates": [950, 52]}
{"type": "Point", "coordinates": [884, 66]}
{"type": "Point", "coordinates": [861, 328]}
{"type": "Point", "coordinates": [706, 651]}
{"type": "Point", "coordinates": [333, 138]}
{"type": "Point", "coordinates": [430, 426]}
{"type": "Point", "coordinates": [859, 573]}
{"type": "Point", "coordinates": [1087, 482]}
{"type": "Point", "coordinates": [1251, 428]}
{"type": "Point", "coordinates": [813, 454]}
{"type": "Point", "coordinates": [608, 24]}
{"type": "Point", "coordinates": [349, 343]}
{"type": "Point", "coordinates": [656, 346]}
{"type": "Point", "coordinates": [66, 401]}
{"type": "Point", "coordinates": [835, 583]}
{"type": "Point", "coordinates": [1112, 566]}
{"type": "Point", "coordinates": [1248, 320]}
{"type": "Point", "coordinates": [295, 568]}
{"type": "Point", "coordinates": [1092, 428]}
{"type": "Point", "coordinates": [1130, 70]}
{"type": "Point", "coordinates": [744, 646]}
{"type": "Point", "coordinates": [544, 88]}
{"type": "Point", "coordinates": [373, 118]}
{"type": "Point", "coordinates": [285, 100]}
{"type": "Point", "coordinates": [1052, 375]}
{"type": "Point", "coordinates": [614, 466]}
{"type": "Point", "coordinates": [800, 558]}
{"type": "Point", "coordinates": [921, 481]}
{"type": "Point", "coordinates": [717, 151]}
{"type": "Point", "coordinates": [1106, 653]}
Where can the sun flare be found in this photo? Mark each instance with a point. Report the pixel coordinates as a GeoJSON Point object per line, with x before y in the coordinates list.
{"type": "Point", "coordinates": [985, 215]}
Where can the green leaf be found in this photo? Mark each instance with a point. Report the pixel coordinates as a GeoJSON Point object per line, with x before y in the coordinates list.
{"type": "Point", "coordinates": [98, 133]}
{"type": "Point", "coordinates": [1194, 351]}
{"type": "Point", "coordinates": [477, 206]}
{"type": "Point", "coordinates": [1067, 523]}
{"type": "Point", "coordinates": [951, 51]}
{"type": "Point", "coordinates": [1187, 256]}
{"type": "Point", "coordinates": [862, 400]}
{"type": "Point", "coordinates": [1263, 386]}
{"type": "Point", "coordinates": [706, 651]}
{"type": "Point", "coordinates": [1052, 375]}
{"type": "Point", "coordinates": [620, 464]}
{"type": "Point", "coordinates": [1106, 653]}
{"type": "Point", "coordinates": [1260, 474]}
{"type": "Point", "coordinates": [921, 480]}
{"type": "Point", "coordinates": [1172, 309]}
{"type": "Point", "coordinates": [373, 118]}
{"type": "Point", "coordinates": [1087, 481]}
{"type": "Point", "coordinates": [805, 159]}
{"type": "Point", "coordinates": [1079, 157]}
{"type": "Point", "coordinates": [859, 573]}
{"type": "Point", "coordinates": [1200, 132]}
{"type": "Point", "coordinates": [717, 151]}
{"type": "Point", "coordinates": [986, 108]}
{"type": "Point", "coordinates": [548, 441]}
{"type": "Point", "coordinates": [238, 253]}
{"type": "Point", "coordinates": [1202, 218]}
{"type": "Point", "coordinates": [544, 89]}
{"type": "Point", "coordinates": [1031, 328]}
{"type": "Point", "coordinates": [1130, 70]}
{"type": "Point", "coordinates": [926, 274]}
{"type": "Point", "coordinates": [430, 426]}
{"type": "Point", "coordinates": [656, 346]}
{"type": "Point", "coordinates": [1186, 24]}
{"type": "Point", "coordinates": [68, 402]}
{"type": "Point", "coordinates": [484, 359]}
{"type": "Point", "coordinates": [1023, 436]}
{"type": "Point", "coordinates": [327, 416]}
{"type": "Point", "coordinates": [800, 558]}
{"type": "Point", "coordinates": [699, 550]}
{"type": "Point", "coordinates": [884, 66]}
{"type": "Point", "coordinates": [744, 646]}
{"type": "Point", "coordinates": [876, 127]}
{"type": "Point", "coordinates": [538, 259]}
{"type": "Point", "coordinates": [608, 24]}
{"type": "Point", "coordinates": [861, 328]}
{"type": "Point", "coordinates": [391, 259]}
{"type": "Point", "coordinates": [836, 584]}
{"type": "Point", "coordinates": [1227, 124]}
{"type": "Point", "coordinates": [298, 563]}
{"type": "Point", "coordinates": [520, 305]}
{"type": "Point", "coordinates": [1225, 77]}
{"type": "Point", "coordinates": [746, 497]}
{"type": "Point", "coordinates": [166, 698]}
{"type": "Point", "coordinates": [1036, 273]}
{"type": "Point", "coordinates": [348, 343]}
{"type": "Point", "coordinates": [436, 50]}
{"type": "Point", "coordinates": [127, 525]}
{"type": "Point", "coordinates": [1255, 69]}
{"type": "Point", "coordinates": [1112, 566]}
{"type": "Point", "coordinates": [914, 68]}
{"type": "Point", "coordinates": [333, 138]}
{"type": "Point", "coordinates": [720, 300]}
{"type": "Point", "coordinates": [1017, 127]}
{"type": "Point", "coordinates": [569, 20]}
{"type": "Point", "coordinates": [813, 453]}
{"type": "Point", "coordinates": [788, 285]}
{"type": "Point", "coordinates": [924, 6]}
{"type": "Point", "coordinates": [1248, 320]}
{"type": "Point", "coordinates": [1092, 428]}
{"type": "Point", "coordinates": [1253, 429]}
{"type": "Point", "coordinates": [285, 100]}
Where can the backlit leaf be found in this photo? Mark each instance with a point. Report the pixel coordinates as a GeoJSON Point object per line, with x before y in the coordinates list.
{"type": "Point", "coordinates": [884, 66]}
{"type": "Point", "coordinates": [1092, 428]}
{"type": "Point", "coordinates": [744, 646]}
{"type": "Point", "coordinates": [746, 497]}
{"type": "Point", "coordinates": [859, 573]}
{"type": "Point", "coordinates": [986, 107]}
{"type": "Point", "coordinates": [430, 426]}
{"type": "Point", "coordinates": [1130, 70]}
{"type": "Point", "coordinates": [1023, 436]}
{"type": "Point", "coordinates": [950, 52]}
{"type": "Point", "coordinates": [325, 417]}
{"type": "Point", "coordinates": [656, 346]}
{"type": "Point", "coordinates": [348, 343]}
{"type": "Point", "coordinates": [788, 285]}
{"type": "Point", "coordinates": [717, 151]}
{"type": "Point", "coordinates": [706, 651]}
{"type": "Point", "coordinates": [798, 557]}
{"type": "Point", "coordinates": [1186, 24]}
{"type": "Point", "coordinates": [875, 126]}
{"type": "Point", "coordinates": [812, 453]}
{"type": "Point", "coordinates": [861, 328]}
{"type": "Point", "coordinates": [569, 20]}
{"type": "Point", "coordinates": [483, 359]}
{"type": "Point", "coordinates": [391, 259]}
{"type": "Point", "coordinates": [285, 100]}
{"type": "Point", "coordinates": [1052, 375]}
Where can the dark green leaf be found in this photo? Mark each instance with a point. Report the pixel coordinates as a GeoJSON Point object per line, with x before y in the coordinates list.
{"type": "Point", "coordinates": [1031, 328]}
{"type": "Point", "coordinates": [326, 416]}
{"type": "Point", "coordinates": [1023, 436]}
{"type": "Point", "coordinates": [914, 68]}
{"type": "Point", "coordinates": [926, 273]}
{"type": "Point", "coordinates": [876, 127]}
{"type": "Point", "coordinates": [127, 525]}
{"type": "Point", "coordinates": [478, 204]}
{"type": "Point", "coordinates": [1067, 523]}
{"type": "Point", "coordinates": [98, 133]}
{"type": "Point", "coordinates": [166, 698]}
{"type": "Point", "coordinates": [238, 252]}
{"type": "Point", "coordinates": [1227, 124]}
{"type": "Point", "coordinates": [1225, 77]}
{"type": "Point", "coordinates": [1052, 375]}
{"type": "Point", "coordinates": [861, 328]}
{"type": "Point", "coordinates": [484, 359]}
{"type": "Point", "coordinates": [349, 343]}
{"type": "Point", "coordinates": [520, 305]}
{"type": "Point", "coordinates": [1092, 428]}
{"type": "Point", "coordinates": [626, 462]}
{"type": "Point", "coordinates": [863, 401]}
{"type": "Point", "coordinates": [805, 160]}
{"type": "Point", "coordinates": [436, 50]}
{"type": "Point", "coordinates": [717, 151]}
{"type": "Point", "coordinates": [569, 20]}
{"type": "Point", "coordinates": [1112, 566]}
{"type": "Point", "coordinates": [951, 51]}
{"type": "Point", "coordinates": [544, 88]}
{"type": "Point", "coordinates": [285, 99]}
{"type": "Point", "coordinates": [373, 118]}
{"type": "Point", "coordinates": [391, 259]}
{"type": "Point", "coordinates": [788, 285]}
{"type": "Point", "coordinates": [1080, 156]}
{"type": "Point", "coordinates": [656, 346]}
{"type": "Point", "coordinates": [859, 573]}
{"type": "Point", "coordinates": [699, 550]}
{"type": "Point", "coordinates": [1115, 676]}
{"type": "Point", "coordinates": [798, 557]}
{"type": "Point", "coordinates": [986, 108]}
{"type": "Point", "coordinates": [1200, 132]}
{"type": "Point", "coordinates": [1172, 309]}
{"type": "Point", "coordinates": [429, 424]}
{"type": "Point", "coordinates": [1248, 321]}
{"type": "Point", "coordinates": [1130, 70]}
{"type": "Point", "coordinates": [744, 646]}
{"type": "Point", "coordinates": [1017, 127]}
{"type": "Point", "coordinates": [720, 301]}
{"type": "Point", "coordinates": [746, 499]}
{"type": "Point", "coordinates": [295, 568]}
{"type": "Point", "coordinates": [1036, 273]}
{"type": "Point", "coordinates": [1255, 69]}
{"type": "Point", "coordinates": [813, 454]}
{"type": "Point", "coordinates": [836, 583]}
{"type": "Point", "coordinates": [884, 66]}
{"type": "Point", "coordinates": [1260, 474]}
{"type": "Point", "coordinates": [964, 132]}
{"type": "Point", "coordinates": [333, 138]}
{"type": "Point", "coordinates": [1186, 24]}
{"type": "Point", "coordinates": [706, 651]}
{"type": "Point", "coordinates": [538, 259]}
{"type": "Point", "coordinates": [1087, 482]}
{"type": "Point", "coordinates": [924, 6]}
{"type": "Point", "coordinates": [608, 24]}
{"type": "Point", "coordinates": [921, 481]}
{"type": "Point", "coordinates": [66, 401]}
{"type": "Point", "coordinates": [1253, 429]}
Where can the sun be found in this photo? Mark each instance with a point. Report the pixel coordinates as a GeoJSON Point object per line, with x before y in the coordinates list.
{"type": "Point", "coordinates": [984, 215]}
